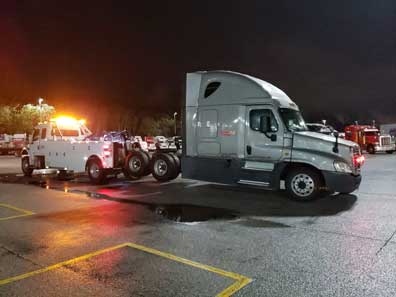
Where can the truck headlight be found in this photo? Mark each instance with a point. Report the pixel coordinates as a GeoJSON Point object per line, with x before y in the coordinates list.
{"type": "Point", "coordinates": [340, 166]}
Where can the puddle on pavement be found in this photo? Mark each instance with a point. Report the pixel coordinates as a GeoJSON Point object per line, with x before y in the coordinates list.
{"type": "Point", "coordinates": [258, 223]}
{"type": "Point", "coordinates": [176, 212]}
{"type": "Point", "coordinates": [191, 213]}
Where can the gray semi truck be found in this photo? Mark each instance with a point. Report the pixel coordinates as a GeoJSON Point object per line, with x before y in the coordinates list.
{"type": "Point", "coordinates": [242, 130]}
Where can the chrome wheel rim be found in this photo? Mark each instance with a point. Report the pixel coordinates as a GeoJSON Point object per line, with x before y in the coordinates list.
{"type": "Point", "coordinates": [160, 167]}
{"type": "Point", "coordinates": [134, 164]}
{"type": "Point", "coordinates": [25, 164]}
{"type": "Point", "coordinates": [302, 185]}
{"type": "Point", "coordinates": [94, 170]}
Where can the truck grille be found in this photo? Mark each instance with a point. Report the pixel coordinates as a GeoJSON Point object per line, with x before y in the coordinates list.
{"type": "Point", "coordinates": [385, 140]}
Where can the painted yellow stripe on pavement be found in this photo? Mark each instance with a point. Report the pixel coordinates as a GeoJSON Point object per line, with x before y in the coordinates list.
{"type": "Point", "coordinates": [14, 217]}
{"type": "Point", "coordinates": [27, 212]}
{"type": "Point", "coordinates": [23, 211]}
{"type": "Point", "coordinates": [59, 265]}
{"type": "Point", "coordinates": [241, 281]}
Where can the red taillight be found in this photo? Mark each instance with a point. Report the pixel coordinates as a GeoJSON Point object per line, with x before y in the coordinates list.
{"type": "Point", "coordinates": [106, 150]}
{"type": "Point", "coordinates": [358, 160]}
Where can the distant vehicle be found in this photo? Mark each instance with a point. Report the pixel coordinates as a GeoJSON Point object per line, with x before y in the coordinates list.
{"type": "Point", "coordinates": [138, 142]}
{"type": "Point", "coordinates": [150, 140]}
{"type": "Point", "coordinates": [19, 142]}
{"type": "Point", "coordinates": [6, 145]}
{"type": "Point", "coordinates": [370, 139]}
{"type": "Point", "coordinates": [242, 130]}
{"type": "Point", "coordinates": [161, 142]}
{"type": "Point", "coordinates": [389, 129]}
{"type": "Point", "coordinates": [321, 128]}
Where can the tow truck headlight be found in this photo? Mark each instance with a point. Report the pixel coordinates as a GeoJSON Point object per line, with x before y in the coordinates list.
{"type": "Point", "coordinates": [340, 166]}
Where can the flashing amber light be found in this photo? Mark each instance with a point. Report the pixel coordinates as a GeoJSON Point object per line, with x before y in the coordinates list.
{"type": "Point", "coordinates": [67, 121]}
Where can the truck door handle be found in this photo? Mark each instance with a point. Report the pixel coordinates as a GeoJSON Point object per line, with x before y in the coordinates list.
{"type": "Point", "coordinates": [249, 149]}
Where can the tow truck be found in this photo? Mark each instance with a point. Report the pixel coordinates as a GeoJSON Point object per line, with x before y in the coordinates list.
{"type": "Point", "coordinates": [64, 144]}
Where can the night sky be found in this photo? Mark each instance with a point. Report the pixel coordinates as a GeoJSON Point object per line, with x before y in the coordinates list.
{"type": "Point", "coordinates": [336, 59]}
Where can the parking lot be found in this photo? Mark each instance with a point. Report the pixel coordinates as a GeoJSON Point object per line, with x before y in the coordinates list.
{"type": "Point", "coordinates": [189, 238]}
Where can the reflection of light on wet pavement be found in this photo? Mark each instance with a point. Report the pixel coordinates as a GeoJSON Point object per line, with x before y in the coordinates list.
{"type": "Point", "coordinates": [116, 193]}
{"type": "Point", "coordinates": [68, 237]}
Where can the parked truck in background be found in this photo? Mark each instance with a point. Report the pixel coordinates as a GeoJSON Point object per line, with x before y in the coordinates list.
{"type": "Point", "coordinates": [389, 129]}
{"type": "Point", "coordinates": [370, 139]}
{"type": "Point", "coordinates": [242, 130]}
{"type": "Point", "coordinates": [19, 142]}
{"type": "Point", "coordinates": [6, 145]}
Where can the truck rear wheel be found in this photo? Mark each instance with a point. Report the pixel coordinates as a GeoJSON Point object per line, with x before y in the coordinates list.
{"type": "Point", "coordinates": [96, 172]}
{"type": "Point", "coordinates": [26, 169]}
{"type": "Point", "coordinates": [177, 164]}
{"type": "Point", "coordinates": [303, 184]}
{"type": "Point", "coordinates": [389, 152]}
{"type": "Point", "coordinates": [163, 167]}
{"type": "Point", "coordinates": [137, 164]}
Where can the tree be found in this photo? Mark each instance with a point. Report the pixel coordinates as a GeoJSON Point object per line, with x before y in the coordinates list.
{"type": "Point", "coordinates": [15, 119]}
{"type": "Point", "coordinates": [158, 126]}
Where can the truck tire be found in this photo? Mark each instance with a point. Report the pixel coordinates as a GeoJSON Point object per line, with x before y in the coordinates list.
{"type": "Point", "coordinates": [148, 167]}
{"type": "Point", "coordinates": [163, 167]}
{"type": "Point", "coordinates": [371, 149]}
{"type": "Point", "coordinates": [26, 169]}
{"type": "Point", "coordinates": [136, 164]}
{"type": "Point", "coordinates": [389, 152]}
{"type": "Point", "coordinates": [177, 164]}
{"type": "Point", "coordinates": [96, 173]}
{"type": "Point", "coordinates": [303, 184]}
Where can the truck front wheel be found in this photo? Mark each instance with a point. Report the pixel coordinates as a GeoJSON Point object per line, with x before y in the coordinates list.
{"type": "Point", "coordinates": [303, 184]}
{"type": "Point", "coordinates": [95, 172]}
{"type": "Point", "coordinates": [26, 169]}
{"type": "Point", "coordinates": [371, 149]}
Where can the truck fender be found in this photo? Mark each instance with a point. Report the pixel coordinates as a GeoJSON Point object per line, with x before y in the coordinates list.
{"type": "Point", "coordinates": [92, 157]}
{"type": "Point", "coordinates": [282, 169]}
{"type": "Point", "coordinates": [25, 152]}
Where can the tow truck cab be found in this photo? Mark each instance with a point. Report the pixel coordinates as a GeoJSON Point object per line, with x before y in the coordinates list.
{"type": "Point", "coordinates": [243, 130]}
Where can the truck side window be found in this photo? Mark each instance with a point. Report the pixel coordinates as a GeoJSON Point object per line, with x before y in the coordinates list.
{"type": "Point", "coordinates": [44, 133]}
{"type": "Point", "coordinates": [255, 116]}
{"type": "Point", "coordinates": [36, 134]}
{"type": "Point", "coordinates": [211, 88]}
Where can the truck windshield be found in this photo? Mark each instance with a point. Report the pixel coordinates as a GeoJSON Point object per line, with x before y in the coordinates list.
{"type": "Point", "coordinates": [293, 120]}
{"type": "Point", "coordinates": [371, 133]}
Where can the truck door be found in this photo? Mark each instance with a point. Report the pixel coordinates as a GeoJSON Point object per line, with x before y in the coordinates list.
{"type": "Point", "coordinates": [263, 150]}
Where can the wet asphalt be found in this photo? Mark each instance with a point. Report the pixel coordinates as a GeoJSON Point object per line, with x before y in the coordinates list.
{"type": "Point", "coordinates": [188, 238]}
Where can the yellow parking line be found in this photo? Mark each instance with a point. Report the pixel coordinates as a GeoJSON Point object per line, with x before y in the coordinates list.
{"type": "Point", "coordinates": [241, 281]}
{"type": "Point", "coordinates": [23, 211]}
{"type": "Point", "coordinates": [61, 264]}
